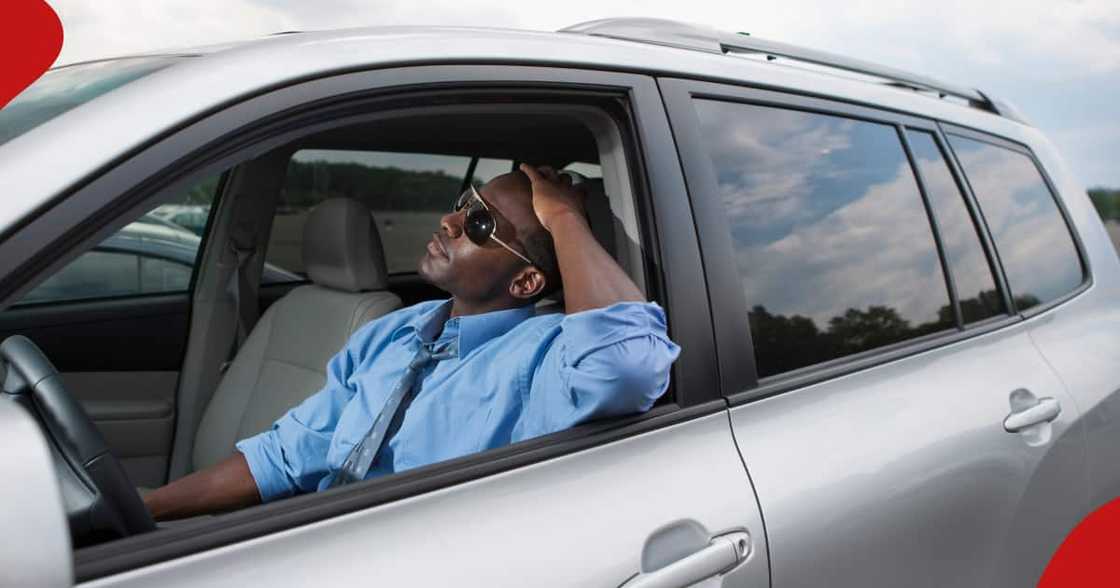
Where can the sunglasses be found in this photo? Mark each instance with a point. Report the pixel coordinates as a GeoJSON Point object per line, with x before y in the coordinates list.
{"type": "Point", "coordinates": [479, 225]}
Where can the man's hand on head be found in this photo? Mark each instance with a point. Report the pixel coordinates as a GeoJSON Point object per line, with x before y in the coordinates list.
{"type": "Point", "coordinates": [591, 277]}
{"type": "Point", "coordinates": [554, 196]}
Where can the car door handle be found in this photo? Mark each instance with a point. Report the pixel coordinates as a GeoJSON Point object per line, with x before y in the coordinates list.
{"type": "Point", "coordinates": [722, 554]}
{"type": "Point", "coordinates": [1046, 410]}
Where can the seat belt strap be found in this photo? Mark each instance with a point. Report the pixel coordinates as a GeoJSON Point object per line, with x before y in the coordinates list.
{"type": "Point", "coordinates": [239, 289]}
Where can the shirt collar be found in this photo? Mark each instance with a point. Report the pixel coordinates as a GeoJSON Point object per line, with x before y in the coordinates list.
{"type": "Point", "coordinates": [473, 331]}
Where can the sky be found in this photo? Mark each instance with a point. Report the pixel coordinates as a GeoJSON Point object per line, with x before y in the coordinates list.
{"type": "Point", "coordinates": [1058, 60]}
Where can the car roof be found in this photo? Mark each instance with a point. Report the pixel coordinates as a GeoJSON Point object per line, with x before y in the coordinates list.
{"type": "Point", "coordinates": [218, 75]}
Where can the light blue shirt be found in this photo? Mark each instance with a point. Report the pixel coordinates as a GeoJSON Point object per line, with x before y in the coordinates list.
{"type": "Point", "coordinates": [516, 376]}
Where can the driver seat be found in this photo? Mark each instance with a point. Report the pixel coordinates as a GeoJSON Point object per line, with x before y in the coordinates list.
{"type": "Point", "coordinates": [283, 360]}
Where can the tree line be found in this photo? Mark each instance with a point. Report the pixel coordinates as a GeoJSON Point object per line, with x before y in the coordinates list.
{"type": "Point", "coordinates": [784, 343]}
{"type": "Point", "coordinates": [1107, 202]}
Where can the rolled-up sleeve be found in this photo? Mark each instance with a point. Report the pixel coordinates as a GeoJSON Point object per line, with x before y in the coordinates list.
{"type": "Point", "coordinates": [604, 362]}
{"type": "Point", "coordinates": [291, 457]}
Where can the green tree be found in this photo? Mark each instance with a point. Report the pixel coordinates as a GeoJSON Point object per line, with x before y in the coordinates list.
{"type": "Point", "coordinates": [1107, 202]}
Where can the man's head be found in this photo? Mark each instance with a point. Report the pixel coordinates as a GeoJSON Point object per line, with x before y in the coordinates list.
{"type": "Point", "coordinates": [487, 276]}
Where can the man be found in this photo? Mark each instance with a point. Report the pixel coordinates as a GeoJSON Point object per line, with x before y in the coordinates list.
{"type": "Point", "coordinates": [443, 379]}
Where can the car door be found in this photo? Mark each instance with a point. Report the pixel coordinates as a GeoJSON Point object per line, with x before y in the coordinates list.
{"type": "Point", "coordinates": [661, 497]}
{"type": "Point", "coordinates": [114, 320]}
{"type": "Point", "coordinates": [898, 423]}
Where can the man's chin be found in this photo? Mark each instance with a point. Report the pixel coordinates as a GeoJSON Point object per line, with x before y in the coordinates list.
{"type": "Point", "coordinates": [430, 271]}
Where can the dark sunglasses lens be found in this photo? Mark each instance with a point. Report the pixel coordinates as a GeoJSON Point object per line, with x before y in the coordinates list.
{"type": "Point", "coordinates": [479, 225]}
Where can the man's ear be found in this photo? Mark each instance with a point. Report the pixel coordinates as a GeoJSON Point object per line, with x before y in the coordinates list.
{"type": "Point", "coordinates": [527, 283]}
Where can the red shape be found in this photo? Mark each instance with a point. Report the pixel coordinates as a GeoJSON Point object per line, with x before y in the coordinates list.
{"type": "Point", "coordinates": [30, 40]}
{"type": "Point", "coordinates": [1088, 557]}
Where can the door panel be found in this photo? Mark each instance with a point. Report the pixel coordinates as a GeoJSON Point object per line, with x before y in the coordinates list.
{"type": "Point", "coordinates": [579, 520]}
{"type": "Point", "coordinates": [135, 411]}
{"type": "Point", "coordinates": [121, 359]}
{"type": "Point", "coordinates": [904, 475]}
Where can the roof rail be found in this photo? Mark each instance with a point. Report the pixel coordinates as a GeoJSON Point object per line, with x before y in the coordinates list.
{"type": "Point", "coordinates": [695, 37]}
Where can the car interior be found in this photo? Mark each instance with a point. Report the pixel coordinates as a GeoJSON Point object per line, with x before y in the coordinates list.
{"type": "Point", "coordinates": [304, 243]}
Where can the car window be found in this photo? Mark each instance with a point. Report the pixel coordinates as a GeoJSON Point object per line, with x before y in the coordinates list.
{"type": "Point", "coordinates": [1034, 243]}
{"type": "Point", "coordinates": [972, 275]}
{"type": "Point", "coordinates": [487, 169]}
{"type": "Point", "coordinates": [406, 192]}
{"type": "Point", "coordinates": [151, 255]}
{"type": "Point", "coordinates": [831, 240]}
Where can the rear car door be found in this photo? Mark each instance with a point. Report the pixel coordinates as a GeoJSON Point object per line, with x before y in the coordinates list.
{"type": "Point", "coordinates": [1074, 322]}
{"type": "Point", "coordinates": [897, 421]}
{"type": "Point", "coordinates": [662, 497]}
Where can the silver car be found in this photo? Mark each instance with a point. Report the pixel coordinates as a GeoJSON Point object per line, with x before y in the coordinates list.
{"type": "Point", "coordinates": [899, 313]}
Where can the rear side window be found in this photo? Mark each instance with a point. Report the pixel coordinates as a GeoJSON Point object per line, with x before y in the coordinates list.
{"type": "Point", "coordinates": [1033, 240]}
{"type": "Point", "coordinates": [831, 239]}
{"type": "Point", "coordinates": [972, 275]}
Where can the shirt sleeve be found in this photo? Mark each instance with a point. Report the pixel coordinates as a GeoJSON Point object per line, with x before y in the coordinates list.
{"type": "Point", "coordinates": [291, 457]}
{"type": "Point", "coordinates": [603, 362]}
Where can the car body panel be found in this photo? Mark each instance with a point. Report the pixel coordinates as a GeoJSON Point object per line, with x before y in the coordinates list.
{"type": "Point", "coordinates": [904, 475]}
{"type": "Point", "coordinates": [1081, 338]}
{"type": "Point", "coordinates": [579, 520]}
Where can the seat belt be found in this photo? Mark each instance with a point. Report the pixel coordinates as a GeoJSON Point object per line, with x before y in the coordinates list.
{"type": "Point", "coordinates": [242, 246]}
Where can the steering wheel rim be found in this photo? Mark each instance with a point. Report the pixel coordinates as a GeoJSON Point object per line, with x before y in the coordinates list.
{"type": "Point", "coordinates": [101, 502]}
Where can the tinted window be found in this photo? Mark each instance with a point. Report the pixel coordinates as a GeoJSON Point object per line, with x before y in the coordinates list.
{"type": "Point", "coordinates": [1032, 238]}
{"type": "Point", "coordinates": [832, 242]}
{"type": "Point", "coordinates": [407, 193]}
{"type": "Point", "coordinates": [972, 275]}
{"type": "Point", "coordinates": [151, 255]}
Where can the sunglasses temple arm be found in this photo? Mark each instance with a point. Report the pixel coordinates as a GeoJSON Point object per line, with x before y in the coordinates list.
{"type": "Point", "coordinates": [512, 250]}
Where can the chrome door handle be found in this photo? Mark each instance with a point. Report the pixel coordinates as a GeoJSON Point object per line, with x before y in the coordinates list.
{"type": "Point", "coordinates": [1046, 410]}
{"type": "Point", "coordinates": [721, 554]}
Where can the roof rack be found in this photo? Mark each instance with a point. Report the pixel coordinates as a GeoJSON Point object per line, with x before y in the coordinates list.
{"type": "Point", "coordinates": [695, 37]}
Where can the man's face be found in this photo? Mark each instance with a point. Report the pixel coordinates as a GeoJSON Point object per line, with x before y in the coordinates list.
{"type": "Point", "coordinates": [482, 273]}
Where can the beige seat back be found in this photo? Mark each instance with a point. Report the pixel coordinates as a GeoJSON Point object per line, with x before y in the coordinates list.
{"type": "Point", "coordinates": [283, 361]}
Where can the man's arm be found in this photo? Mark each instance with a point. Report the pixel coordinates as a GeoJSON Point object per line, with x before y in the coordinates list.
{"type": "Point", "coordinates": [225, 486]}
{"type": "Point", "coordinates": [613, 355]}
{"type": "Point", "coordinates": [592, 278]}
{"type": "Point", "coordinates": [288, 458]}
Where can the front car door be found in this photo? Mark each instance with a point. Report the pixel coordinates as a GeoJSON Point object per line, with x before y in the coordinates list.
{"type": "Point", "coordinates": [663, 493]}
{"type": "Point", "coordinates": [885, 364]}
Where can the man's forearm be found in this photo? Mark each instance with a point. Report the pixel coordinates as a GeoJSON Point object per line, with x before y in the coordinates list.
{"type": "Point", "coordinates": [592, 278]}
{"type": "Point", "coordinates": [225, 486]}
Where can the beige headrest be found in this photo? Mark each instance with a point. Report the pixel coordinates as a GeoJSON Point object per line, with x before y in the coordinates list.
{"type": "Point", "coordinates": [341, 247]}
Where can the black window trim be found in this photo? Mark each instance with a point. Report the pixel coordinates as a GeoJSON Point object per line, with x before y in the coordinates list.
{"type": "Point", "coordinates": [216, 141]}
{"type": "Point", "coordinates": [934, 225]}
{"type": "Point", "coordinates": [995, 265]}
{"type": "Point", "coordinates": [1055, 194]}
{"type": "Point", "coordinates": [741, 385]}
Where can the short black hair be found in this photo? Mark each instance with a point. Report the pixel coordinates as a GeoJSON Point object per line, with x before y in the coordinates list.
{"type": "Point", "coordinates": [541, 251]}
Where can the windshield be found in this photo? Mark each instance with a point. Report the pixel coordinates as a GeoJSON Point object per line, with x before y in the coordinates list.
{"type": "Point", "coordinates": [63, 88]}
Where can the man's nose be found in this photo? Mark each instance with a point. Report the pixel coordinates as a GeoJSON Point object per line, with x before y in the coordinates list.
{"type": "Point", "coordinates": [452, 224]}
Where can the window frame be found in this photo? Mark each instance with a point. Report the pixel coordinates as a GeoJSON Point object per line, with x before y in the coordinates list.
{"type": "Point", "coordinates": [262, 122]}
{"type": "Point", "coordinates": [996, 141]}
{"type": "Point", "coordinates": [738, 369]}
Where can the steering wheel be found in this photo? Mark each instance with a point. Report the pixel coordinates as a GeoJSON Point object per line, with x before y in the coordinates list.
{"type": "Point", "coordinates": [101, 503]}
